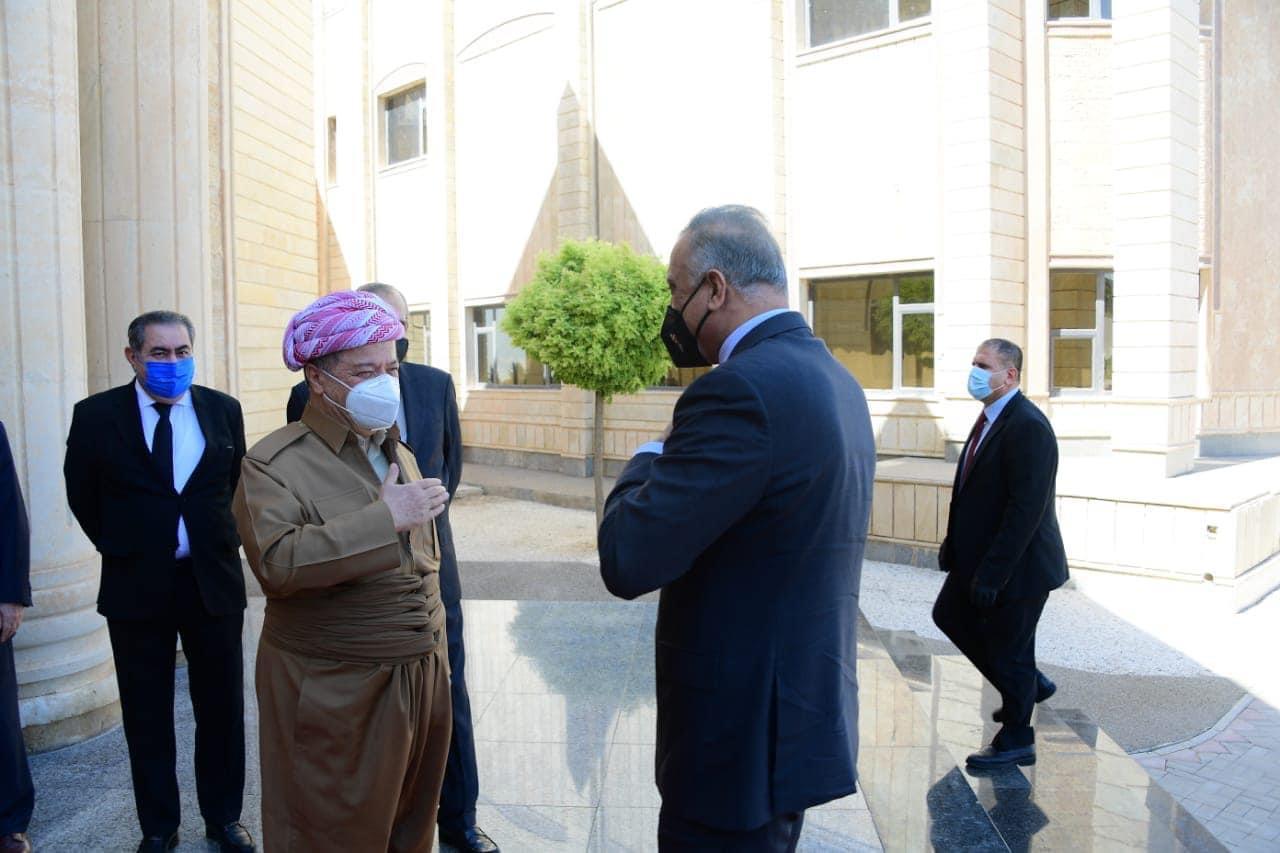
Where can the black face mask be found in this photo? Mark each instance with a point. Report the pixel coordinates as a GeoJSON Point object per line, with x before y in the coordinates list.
{"type": "Point", "coordinates": [402, 349]}
{"type": "Point", "coordinates": [682, 344]}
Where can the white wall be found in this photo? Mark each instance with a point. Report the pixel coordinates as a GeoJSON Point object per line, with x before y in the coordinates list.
{"type": "Point", "coordinates": [863, 159]}
{"type": "Point", "coordinates": [409, 223]}
{"type": "Point", "coordinates": [511, 71]}
{"type": "Point", "coordinates": [684, 112]}
{"type": "Point", "coordinates": [1080, 144]}
{"type": "Point", "coordinates": [339, 81]}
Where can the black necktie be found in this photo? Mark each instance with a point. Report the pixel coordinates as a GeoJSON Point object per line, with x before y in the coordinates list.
{"type": "Point", "coordinates": [162, 445]}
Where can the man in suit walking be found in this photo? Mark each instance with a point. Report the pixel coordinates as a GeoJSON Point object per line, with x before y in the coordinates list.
{"type": "Point", "coordinates": [17, 796]}
{"type": "Point", "coordinates": [428, 422]}
{"type": "Point", "coordinates": [751, 517]}
{"type": "Point", "coordinates": [1003, 551]}
{"type": "Point", "coordinates": [151, 467]}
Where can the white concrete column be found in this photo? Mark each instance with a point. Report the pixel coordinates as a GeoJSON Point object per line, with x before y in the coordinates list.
{"type": "Point", "coordinates": [1155, 110]}
{"type": "Point", "coordinates": [145, 153]}
{"type": "Point", "coordinates": [1035, 372]}
{"type": "Point", "coordinates": [66, 681]}
{"type": "Point", "coordinates": [981, 280]}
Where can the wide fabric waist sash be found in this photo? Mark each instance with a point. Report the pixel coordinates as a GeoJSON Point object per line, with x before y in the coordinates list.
{"type": "Point", "coordinates": [391, 618]}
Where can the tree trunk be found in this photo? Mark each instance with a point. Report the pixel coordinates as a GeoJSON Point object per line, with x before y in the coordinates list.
{"type": "Point", "coordinates": [597, 457]}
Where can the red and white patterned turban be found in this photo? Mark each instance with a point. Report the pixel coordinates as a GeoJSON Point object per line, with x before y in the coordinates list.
{"type": "Point", "coordinates": [343, 320]}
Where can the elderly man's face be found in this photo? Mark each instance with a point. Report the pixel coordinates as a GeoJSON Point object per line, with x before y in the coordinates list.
{"type": "Point", "coordinates": [679, 280]}
{"type": "Point", "coordinates": [160, 342]}
{"type": "Point", "coordinates": [352, 367]}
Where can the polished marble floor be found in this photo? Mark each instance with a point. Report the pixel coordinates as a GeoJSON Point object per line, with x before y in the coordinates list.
{"type": "Point", "coordinates": [564, 708]}
{"type": "Point", "coordinates": [1083, 793]}
{"type": "Point", "coordinates": [563, 693]}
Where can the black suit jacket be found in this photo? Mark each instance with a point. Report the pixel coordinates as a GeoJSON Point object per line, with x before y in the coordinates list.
{"type": "Point", "coordinates": [435, 436]}
{"type": "Point", "coordinates": [1003, 527]}
{"type": "Point", "coordinates": [131, 514]}
{"type": "Point", "coordinates": [15, 532]}
{"type": "Point", "coordinates": [753, 523]}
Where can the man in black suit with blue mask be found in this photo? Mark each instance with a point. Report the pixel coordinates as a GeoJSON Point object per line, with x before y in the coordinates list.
{"type": "Point", "coordinates": [429, 424]}
{"type": "Point", "coordinates": [150, 470]}
{"type": "Point", "coordinates": [751, 518]}
{"type": "Point", "coordinates": [1003, 552]}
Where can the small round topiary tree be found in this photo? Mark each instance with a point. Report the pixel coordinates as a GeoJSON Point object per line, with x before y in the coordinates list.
{"type": "Point", "coordinates": [593, 314]}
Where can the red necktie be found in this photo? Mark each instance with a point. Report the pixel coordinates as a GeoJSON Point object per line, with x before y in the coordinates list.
{"type": "Point", "coordinates": [974, 438]}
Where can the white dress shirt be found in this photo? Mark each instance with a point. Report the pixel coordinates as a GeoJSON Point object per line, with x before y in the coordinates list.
{"type": "Point", "coordinates": [402, 422]}
{"type": "Point", "coordinates": [188, 447]}
{"type": "Point", "coordinates": [372, 448]}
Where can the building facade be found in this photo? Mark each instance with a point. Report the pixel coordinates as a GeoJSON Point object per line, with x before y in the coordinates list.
{"type": "Point", "coordinates": [938, 173]}
{"type": "Point", "coordinates": [152, 155]}
{"type": "Point", "coordinates": [1087, 178]}
{"type": "Point", "coordinates": [1093, 179]}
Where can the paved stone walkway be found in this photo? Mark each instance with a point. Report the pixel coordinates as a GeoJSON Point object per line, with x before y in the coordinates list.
{"type": "Point", "coordinates": [1229, 777]}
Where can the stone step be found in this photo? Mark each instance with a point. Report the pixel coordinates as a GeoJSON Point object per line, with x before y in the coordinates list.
{"type": "Point", "coordinates": [1083, 793]}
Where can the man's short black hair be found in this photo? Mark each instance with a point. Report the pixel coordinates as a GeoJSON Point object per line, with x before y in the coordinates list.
{"type": "Point", "coordinates": [1009, 353]}
{"type": "Point", "coordinates": [138, 328]}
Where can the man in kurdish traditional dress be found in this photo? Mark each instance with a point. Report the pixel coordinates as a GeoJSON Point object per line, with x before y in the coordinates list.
{"type": "Point", "coordinates": [338, 526]}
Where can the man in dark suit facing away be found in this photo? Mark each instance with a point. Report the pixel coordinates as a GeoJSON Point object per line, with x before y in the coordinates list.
{"type": "Point", "coordinates": [751, 517]}
{"type": "Point", "coordinates": [17, 796]}
{"type": "Point", "coordinates": [1003, 551]}
{"type": "Point", "coordinates": [151, 467]}
{"type": "Point", "coordinates": [429, 424]}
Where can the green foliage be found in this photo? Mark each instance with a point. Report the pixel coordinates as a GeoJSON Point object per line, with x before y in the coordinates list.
{"type": "Point", "coordinates": [593, 313]}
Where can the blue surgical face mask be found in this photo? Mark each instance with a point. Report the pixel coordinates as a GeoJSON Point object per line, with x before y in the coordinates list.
{"type": "Point", "coordinates": [979, 383]}
{"type": "Point", "coordinates": [170, 379]}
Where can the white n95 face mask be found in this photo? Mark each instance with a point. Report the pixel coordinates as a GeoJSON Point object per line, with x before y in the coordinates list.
{"type": "Point", "coordinates": [373, 404]}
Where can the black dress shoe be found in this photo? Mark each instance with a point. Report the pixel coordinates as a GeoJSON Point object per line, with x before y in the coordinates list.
{"type": "Point", "coordinates": [471, 840]}
{"type": "Point", "coordinates": [1044, 689]}
{"type": "Point", "coordinates": [158, 843]}
{"type": "Point", "coordinates": [15, 842]}
{"type": "Point", "coordinates": [993, 756]}
{"type": "Point", "coordinates": [232, 838]}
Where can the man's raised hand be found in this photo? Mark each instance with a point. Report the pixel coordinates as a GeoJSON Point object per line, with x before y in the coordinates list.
{"type": "Point", "coordinates": [412, 504]}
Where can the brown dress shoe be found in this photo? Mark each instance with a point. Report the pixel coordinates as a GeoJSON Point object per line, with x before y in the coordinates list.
{"type": "Point", "coordinates": [15, 842]}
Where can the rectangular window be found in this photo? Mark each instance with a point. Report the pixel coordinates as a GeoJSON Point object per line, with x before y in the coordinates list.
{"type": "Point", "coordinates": [680, 377]}
{"type": "Point", "coordinates": [880, 328]}
{"type": "Point", "coordinates": [833, 20]}
{"type": "Point", "coordinates": [419, 333]}
{"type": "Point", "coordinates": [331, 151]}
{"type": "Point", "coordinates": [404, 125]}
{"type": "Point", "coordinates": [495, 360]}
{"type": "Point", "coordinates": [1080, 329]}
{"type": "Point", "coordinates": [1062, 9]}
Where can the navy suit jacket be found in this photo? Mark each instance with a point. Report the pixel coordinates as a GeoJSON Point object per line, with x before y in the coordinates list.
{"type": "Point", "coordinates": [1003, 527]}
{"type": "Point", "coordinates": [15, 532]}
{"type": "Point", "coordinates": [435, 436]}
{"type": "Point", "coordinates": [131, 514]}
{"type": "Point", "coordinates": [752, 522]}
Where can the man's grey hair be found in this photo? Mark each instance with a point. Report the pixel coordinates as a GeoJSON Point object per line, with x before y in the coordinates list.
{"type": "Point", "coordinates": [1009, 353]}
{"type": "Point", "coordinates": [138, 328]}
{"type": "Point", "coordinates": [386, 292]}
{"type": "Point", "coordinates": [736, 240]}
